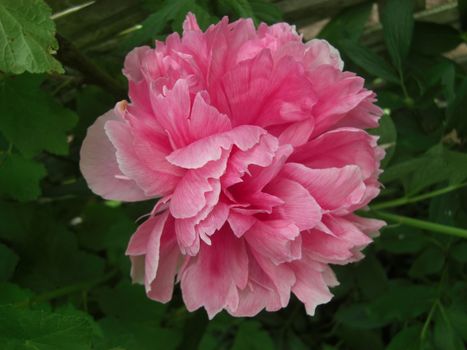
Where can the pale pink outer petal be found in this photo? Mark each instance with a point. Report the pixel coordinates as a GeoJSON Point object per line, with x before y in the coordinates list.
{"type": "Point", "coordinates": [154, 183]}
{"type": "Point", "coordinates": [98, 164]}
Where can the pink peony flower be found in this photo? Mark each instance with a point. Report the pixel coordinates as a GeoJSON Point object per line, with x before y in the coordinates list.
{"type": "Point", "coordinates": [255, 143]}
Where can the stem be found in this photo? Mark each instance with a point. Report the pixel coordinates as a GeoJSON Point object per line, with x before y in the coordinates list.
{"type": "Point", "coordinates": [72, 289]}
{"type": "Point", "coordinates": [428, 320]}
{"type": "Point", "coordinates": [71, 56]}
{"type": "Point", "coordinates": [422, 224]}
{"type": "Point", "coordinates": [406, 200]}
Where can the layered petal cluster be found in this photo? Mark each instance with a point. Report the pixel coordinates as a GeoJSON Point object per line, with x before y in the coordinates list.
{"type": "Point", "coordinates": [255, 143]}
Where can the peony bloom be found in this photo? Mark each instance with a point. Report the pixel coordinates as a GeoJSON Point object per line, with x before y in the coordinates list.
{"type": "Point", "coordinates": [255, 144]}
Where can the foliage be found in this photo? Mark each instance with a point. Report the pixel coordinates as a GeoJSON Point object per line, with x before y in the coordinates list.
{"type": "Point", "coordinates": [64, 278]}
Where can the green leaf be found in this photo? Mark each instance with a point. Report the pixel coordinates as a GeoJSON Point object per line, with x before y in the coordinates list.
{"type": "Point", "coordinates": [360, 315]}
{"type": "Point", "coordinates": [434, 39]}
{"type": "Point", "coordinates": [371, 277]}
{"type": "Point", "coordinates": [459, 252]}
{"type": "Point", "coordinates": [387, 137]}
{"type": "Point", "coordinates": [397, 21]}
{"type": "Point", "coordinates": [407, 339]}
{"type": "Point", "coordinates": [458, 319]}
{"type": "Point", "coordinates": [10, 294]}
{"type": "Point", "coordinates": [156, 23]}
{"type": "Point", "coordinates": [445, 336]}
{"type": "Point", "coordinates": [129, 303]}
{"type": "Point", "coordinates": [369, 61]}
{"type": "Point", "coordinates": [429, 262]}
{"type": "Point", "coordinates": [20, 178]}
{"type": "Point", "coordinates": [8, 261]}
{"type": "Point", "coordinates": [136, 336]}
{"type": "Point", "coordinates": [31, 120]}
{"type": "Point", "coordinates": [266, 11]}
{"type": "Point", "coordinates": [42, 330]}
{"type": "Point", "coordinates": [241, 8]}
{"type": "Point", "coordinates": [250, 336]}
{"type": "Point", "coordinates": [347, 25]}
{"type": "Point", "coordinates": [401, 240]}
{"type": "Point", "coordinates": [27, 37]}
{"type": "Point", "coordinates": [50, 258]}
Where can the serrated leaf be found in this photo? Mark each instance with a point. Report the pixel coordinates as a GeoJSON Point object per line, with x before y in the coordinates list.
{"type": "Point", "coordinates": [397, 21]}
{"type": "Point", "coordinates": [20, 178]}
{"type": "Point", "coordinates": [42, 330]}
{"type": "Point", "coordinates": [8, 261]}
{"type": "Point", "coordinates": [31, 120]}
{"type": "Point", "coordinates": [27, 37]}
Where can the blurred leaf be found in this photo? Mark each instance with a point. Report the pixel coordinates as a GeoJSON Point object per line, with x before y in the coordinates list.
{"type": "Point", "coordinates": [11, 293]}
{"type": "Point", "coordinates": [347, 25]}
{"type": "Point", "coordinates": [41, 330]}
{"type": "Point", "coordinates": [129, 303]}
{"type": "Point", "coordinates": [266, 11]}
{"type": "Point", "coordinates": [359, 315]}
{"type": "Point", "coordinates": [401, 240]}
{"type": "Point", "coordinates": [407, 339]}
{"type": "Point", "coordinates": [387, 137]}
{"type": "Point", "coordinates": [20, 178]}
{"type": "Point", "coordinates": [27, 37]}
{"type": "Point", "coordinates": [31, 119]}
{"type": "Point", "coordinates": [402, 302]}
{"type": "Point", "coordinates": [371, 277]}
{"type": "Point", "coordinates": [369, 61]}
{"type": "Point", "coordinates": [118, 334]}
{"type": "Point", "coordinates": [456, 109]}
{"type": "Point", "coordinates": [157, 22]}
{"type": "Point", "coordinates": [91, 102]}
{"type": "Point", "coordinates": [241, 7]}
{"type": "Point", "coordinates": [250, 336]}
{"type": "Point", "coordinates": [434, 38]}
{"type": "Point", "coordinates": [429, 262]}
{"type": "Point", "coordinates": [50, 259]}
{"type": "Point", "coordinates": [445, 337]}
{"type": "Point", "coordinates": [397, 21]}
{"type": "Point", "coordinates": [459, 252]}
{"type": "Point", "coordinates": [8, 261]}
{"type": "Point", "coordinates": [356, 339]}
{"type": "Point", "coordinates": [458, 320]}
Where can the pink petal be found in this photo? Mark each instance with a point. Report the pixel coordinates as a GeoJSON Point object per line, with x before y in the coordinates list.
{"type": "Point", "coordinates": [211, 279]}
{"type": "Point", "coordinates": [98, 164]}
{"type": "Point", "coordinates": [338, 148]}
{"type": "Point", "coordinates": [210, 148]}
{"type": "Point", "coordinates": [333, 188]}
{"type": "Point", "coordinates": [299, 206]}
{"type": "Point", "coordinates": [278, 241]}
